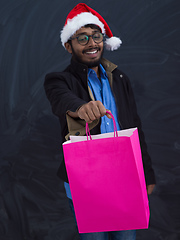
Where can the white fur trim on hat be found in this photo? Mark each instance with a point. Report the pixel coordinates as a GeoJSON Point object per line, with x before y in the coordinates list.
{"type": "Point", "coordinates": [113, 43]}
{"type": "Point", "coordinates": [77, 22]}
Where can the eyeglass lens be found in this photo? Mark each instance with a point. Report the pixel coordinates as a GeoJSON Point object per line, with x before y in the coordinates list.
{"type": "Point", "coordinates": [84, 39]}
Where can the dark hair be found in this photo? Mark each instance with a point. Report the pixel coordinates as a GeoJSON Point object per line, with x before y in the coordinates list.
{"type": "Point", "coordinates": [92, 26]}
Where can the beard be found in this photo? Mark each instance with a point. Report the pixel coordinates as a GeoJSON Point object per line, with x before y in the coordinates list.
{"type": "Point", "coordinates": [89, 64]}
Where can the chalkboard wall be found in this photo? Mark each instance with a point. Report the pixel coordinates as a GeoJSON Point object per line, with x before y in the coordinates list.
{"type": "Point", "coordinates": [33, 204]}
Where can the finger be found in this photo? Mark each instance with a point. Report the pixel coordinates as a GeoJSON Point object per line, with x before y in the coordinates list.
{"type": "Point", "coordinates": [86, 113]}
{"type": "Point", "coordinates": [85, 116]}
{"type": "Point", "coordinates": [91, 111]}
{"type": "Point", "coordinates": [107, 114]}
{"type": "Point", "coordinates": [94, 109]}
{"type": "Point", "coordinates": [91, 116]}
{"type": "Point", "coordinates": [97, 112]}
{"type": "Point", "coordinates": [101, 109]}
{"type": "Point", "coordinates": [150, 188]}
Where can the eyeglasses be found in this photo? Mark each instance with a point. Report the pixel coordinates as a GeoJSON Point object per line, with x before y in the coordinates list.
{"type": "Point", "coordinates": [83, 39]}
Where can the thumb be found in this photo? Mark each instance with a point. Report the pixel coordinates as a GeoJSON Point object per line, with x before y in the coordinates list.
{"type": "Point", "coordinates": [107, 114]}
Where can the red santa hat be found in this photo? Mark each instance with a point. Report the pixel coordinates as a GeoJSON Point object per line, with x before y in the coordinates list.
{"type": "Point", "coordinates": [82, 15]}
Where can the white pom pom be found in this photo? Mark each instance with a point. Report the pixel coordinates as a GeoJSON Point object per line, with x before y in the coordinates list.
{"type": "Point", "coordinates": [113, 43]}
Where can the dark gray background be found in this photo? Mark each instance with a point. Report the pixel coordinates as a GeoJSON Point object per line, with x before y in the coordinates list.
{"type": "Point", "coordinates": [33, 204]}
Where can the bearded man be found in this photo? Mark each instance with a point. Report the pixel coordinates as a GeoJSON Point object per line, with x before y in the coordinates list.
{"type": "Point", "coordinates": [87, 88]}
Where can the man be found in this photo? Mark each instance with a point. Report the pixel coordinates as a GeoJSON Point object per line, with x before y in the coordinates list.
{"type": "Point", "coordinates": [88, 87]}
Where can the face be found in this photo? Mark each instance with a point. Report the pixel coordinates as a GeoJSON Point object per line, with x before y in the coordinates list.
{"type": "Point", "coordinates": [89, 54]}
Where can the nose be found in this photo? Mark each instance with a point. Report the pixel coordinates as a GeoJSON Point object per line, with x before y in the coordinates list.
{"type": "Point", "coordinates": [91, 41]}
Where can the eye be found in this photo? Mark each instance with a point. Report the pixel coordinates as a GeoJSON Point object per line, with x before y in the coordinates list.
{"type": "Point", "coordinates": [82, 38]}
{"type": "Point", "coordinates": [97, 36]}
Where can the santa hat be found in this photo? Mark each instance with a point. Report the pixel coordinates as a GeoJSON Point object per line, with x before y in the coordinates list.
{"type": "Point", "coordinates": [82, 15]}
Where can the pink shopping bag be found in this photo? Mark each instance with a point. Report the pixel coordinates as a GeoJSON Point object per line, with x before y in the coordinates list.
{"type": "Point", "coordinates": [107, 181]}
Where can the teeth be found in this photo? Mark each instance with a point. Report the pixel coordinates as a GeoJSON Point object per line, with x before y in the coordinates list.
{"type": "Point", "coordinates": [92, 52]}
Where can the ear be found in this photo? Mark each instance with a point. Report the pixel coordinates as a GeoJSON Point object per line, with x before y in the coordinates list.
{"type": "Point", "coordinates": [68, 47]}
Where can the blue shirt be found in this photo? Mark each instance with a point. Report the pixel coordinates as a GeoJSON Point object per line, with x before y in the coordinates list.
{"type": "Point", "coordinates": [101, 91]}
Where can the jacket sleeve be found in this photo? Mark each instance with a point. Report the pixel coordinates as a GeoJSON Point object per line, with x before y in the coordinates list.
{"type": "Point", "coordinates": [63, 99]}
{"type": "Point", "coordinates": [147, 164]}
{"type": "Point", "coordinates": [60, 95]}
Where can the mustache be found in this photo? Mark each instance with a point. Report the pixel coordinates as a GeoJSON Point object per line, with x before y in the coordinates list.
{"type": "Point", "coordinates": [89, 49]}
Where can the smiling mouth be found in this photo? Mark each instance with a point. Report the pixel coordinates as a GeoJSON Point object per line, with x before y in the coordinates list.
{"type": "Point", "coordinates": [91, 51]}
{"type": "Point", "coordinates": [95, 51]}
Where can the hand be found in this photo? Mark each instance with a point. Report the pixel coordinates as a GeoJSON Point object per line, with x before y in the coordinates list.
{"type": "Point", "coordinates": [150, 188]}
{"type": "Point", "coordinates": [91, 111]}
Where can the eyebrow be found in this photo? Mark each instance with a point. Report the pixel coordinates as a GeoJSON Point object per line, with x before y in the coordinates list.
{"type": "Point", "coordinates": [87, 33]}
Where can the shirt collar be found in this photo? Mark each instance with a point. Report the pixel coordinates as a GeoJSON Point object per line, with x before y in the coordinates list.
{"type": "Point", "coordinates": [102, 72]}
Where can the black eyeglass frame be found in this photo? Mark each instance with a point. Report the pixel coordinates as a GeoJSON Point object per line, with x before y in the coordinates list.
{"type": "Point", "coordinates": [103, 35]}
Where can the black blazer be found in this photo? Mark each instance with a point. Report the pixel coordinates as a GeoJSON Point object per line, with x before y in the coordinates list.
{"type": "Point", "coordinates": [68, 90]}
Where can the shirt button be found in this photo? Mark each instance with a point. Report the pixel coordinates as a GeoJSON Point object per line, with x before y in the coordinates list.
{"type": "Point", "coordinates": [107, 123]}
{"type": "Point", "coordinates": [121, 75]}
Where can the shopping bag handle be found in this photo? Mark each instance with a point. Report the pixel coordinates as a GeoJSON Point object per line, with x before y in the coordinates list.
{"type": "Point", "coordinates": [114, 123]}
